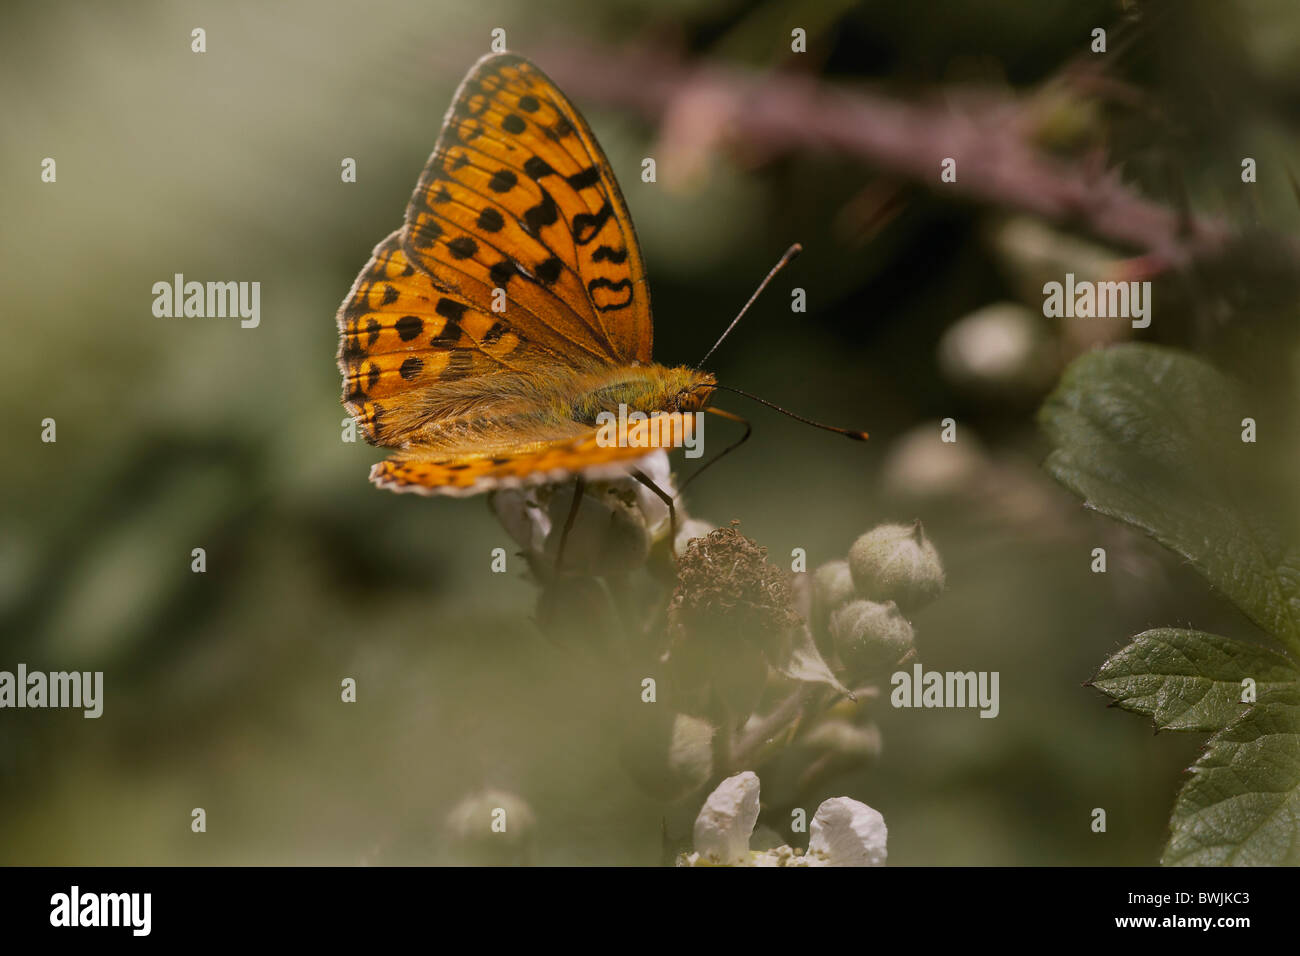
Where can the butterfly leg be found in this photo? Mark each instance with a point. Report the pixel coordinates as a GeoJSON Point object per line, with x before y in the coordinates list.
{"type": "Point", "coordinates": [666, 498]}
{"type": "Point", "coordinates": [579, 489]}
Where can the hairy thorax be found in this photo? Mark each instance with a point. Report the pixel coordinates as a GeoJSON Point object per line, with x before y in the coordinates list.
{"type": "Point", "coordinates": [507, 409]}
{"type": "Point", "coordinates": [644, 388]}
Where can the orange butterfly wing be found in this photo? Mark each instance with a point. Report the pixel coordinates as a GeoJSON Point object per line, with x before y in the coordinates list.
{"type": "Point", "coordinates": [518, 195]}
{"type": "Point", "coordinates": [526, 464]}
{"type": "Point", "coordinates": [517, 198]}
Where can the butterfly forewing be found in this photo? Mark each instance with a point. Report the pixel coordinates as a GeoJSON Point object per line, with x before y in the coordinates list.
{"type": "Point", "coordinates": [516, 270]}
{"type": "Point", "coordinates": [518, 195]}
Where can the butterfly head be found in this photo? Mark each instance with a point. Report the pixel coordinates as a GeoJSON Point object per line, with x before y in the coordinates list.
{"type": "Point", "coordinates": [694, 390]}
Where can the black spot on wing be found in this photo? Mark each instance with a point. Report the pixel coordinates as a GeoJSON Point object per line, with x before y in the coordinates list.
{"type": "Point", "coordinates": [493, 335]}
{"type": "Point", "coordinates": [549, 270]}
{"type": "Point", "coordinates": [560, 129]}
{"type": "Point", "coordinates": [352, 349]}
{"type": "Point", "coordinates": [451, 310]}
{"type": "Point", "coordinates": [609, 254]}
{"type": "Point", "coordinates": [408, 327]}
{"type": "Point", "coordinates": [585, 179]}
{"type": "Point", "coordinates": [502, 272]}
{"type": "Point", "coordinates": [611, 304]}
{"type": "Point", "coordinates": [503, 180]}
{"type": "Point", "coordinates": [587, 225]}
{"type": "Point", "coordinates": [426, 234]}
{"type": "Point", "coordinates": [545, 213]}
{"type": "Point", "coordinates": [535, 168]}
{"type": "Point", "coordinates": [462, 247]}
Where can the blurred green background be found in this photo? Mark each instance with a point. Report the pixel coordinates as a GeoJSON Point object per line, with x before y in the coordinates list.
{"type": "Point", "coordinates": [222, 689]}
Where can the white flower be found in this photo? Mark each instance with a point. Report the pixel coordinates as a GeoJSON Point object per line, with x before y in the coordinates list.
{"type": "Point", "coordinates": [657, 468]}
{"type": "Point", "coordinates": [845, 832]}
{"type": "Point", "coordinates": [617, 520]}
{"type": "Point", "coordinates": [723, 828]}
{"type": "Point", "coordinates": [523, 516]}
{"type": "Point", "coordinates": [848, 833]}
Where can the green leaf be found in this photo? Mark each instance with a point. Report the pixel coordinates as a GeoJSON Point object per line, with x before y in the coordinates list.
{"type": "Point", "coordinates": [1190, 680]}
{"type": "Point", "coordinates": [1242, 805]}
{"type": "Point", "coordinates": [1152, 437]}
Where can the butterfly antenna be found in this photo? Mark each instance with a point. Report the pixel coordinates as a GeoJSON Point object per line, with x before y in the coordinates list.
{"type": "Point", "coordinates": [855, 434]}
{"type": "Point", "coordinates": [781, 264]}
{"type": "Point", "coordinates": [726, 451]}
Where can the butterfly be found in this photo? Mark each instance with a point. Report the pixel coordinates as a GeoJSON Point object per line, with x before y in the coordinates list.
{"type": "Point", "coordinates": [485, 336]}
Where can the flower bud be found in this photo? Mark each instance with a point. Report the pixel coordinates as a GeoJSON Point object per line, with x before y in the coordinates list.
{"type": "Point", "coordinates": [1001, 350]}
{"type": "Point", "coordinates": [523, 517]}
{"type": "Point", "coordinates": [832, 586]}
{"type": "Point", "coordinates": [668, 755]}
{"type": "Point", "coordinates": [896, 562]}
{"type": "Point", "coordinates": [845, 739]}
{"type": "Point", "coordinates": [731, 616]}
{"type": "Point", "coordinates": [870, 637]}
{"type": "Point", "coordinates": [689, 530]}
{"type": "Point", "coordinates": [917, 466]}
{"type": "Point", "coordinates": [575, 610]}
{"type": "Point", "coordinates": [609, 533]}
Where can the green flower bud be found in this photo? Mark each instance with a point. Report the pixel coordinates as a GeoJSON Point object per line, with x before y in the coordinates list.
{"type": "Point", "coordinates": [575, 611]}
{"type": "Point", "coordinates": [609, 533]}
{"type": "Point", "coordinates": [845, 739]}
{"type": "Point", "coordinates": [896, 562]}
{"type": "Point", "coordinates": [832, 586]}
{"type": "Point", "coordinates": [870, 637]}
{"type": "Point", "coordinates": [669, 755]}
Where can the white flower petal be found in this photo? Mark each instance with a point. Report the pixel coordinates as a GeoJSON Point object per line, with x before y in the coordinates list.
{"type": "Point", "coordinates": [727, 819]}
{"type": "Point", "coordinates": [523, 517]}
{"type": "Point", "coordinates": [657, 468]}
{"type": "Point", "coordinates": [848, 832]}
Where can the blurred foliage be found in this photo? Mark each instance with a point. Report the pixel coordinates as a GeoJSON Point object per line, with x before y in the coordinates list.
{"type": "Point", "coordinates": [1165, 443]}
{"type": "Point", "coordinates": [222, 689]}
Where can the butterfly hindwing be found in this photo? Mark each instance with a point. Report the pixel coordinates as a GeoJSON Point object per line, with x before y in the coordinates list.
{"type": "Point", "coordinates": [400, 337]}
{"type": "Point", "coordinates": [534, 462]}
